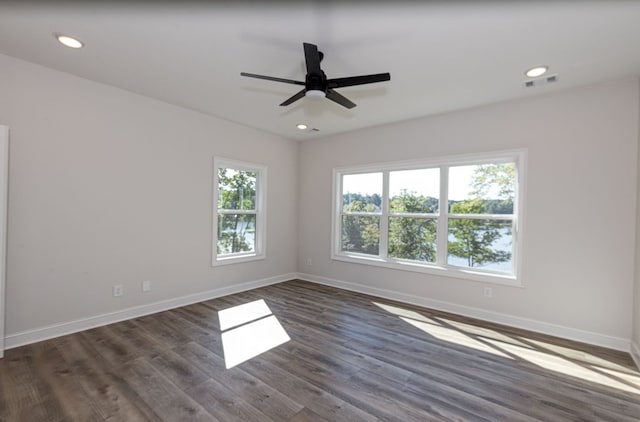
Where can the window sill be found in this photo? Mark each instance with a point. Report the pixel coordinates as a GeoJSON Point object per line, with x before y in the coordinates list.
{"type": "Point", "coordinates": [238, 259]}
{"type": "Point", "coordinates": [440, 270]}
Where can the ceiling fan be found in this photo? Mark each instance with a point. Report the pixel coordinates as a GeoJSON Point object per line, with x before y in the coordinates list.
{"type": "Point", "coordinates": [316, 84]}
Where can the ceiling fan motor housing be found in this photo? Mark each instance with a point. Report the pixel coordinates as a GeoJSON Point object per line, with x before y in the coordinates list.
{"type": "Point", "coordinates": [315, 82]}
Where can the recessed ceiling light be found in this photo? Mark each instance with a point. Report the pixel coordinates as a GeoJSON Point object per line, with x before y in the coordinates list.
{"type": "Point", "coordinates": [69, 41]}
{"type": "Point", "coordinates": [534, 72]}
{"type": "Point", "coordinates": [301, 126]}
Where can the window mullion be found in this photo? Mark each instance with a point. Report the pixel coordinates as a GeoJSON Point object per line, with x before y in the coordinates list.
{"type": "Point", "coordinates": [483, 216]}
{"type": "Point", "coordinates": [384, 217]}
{"type": "Point", "coordinates": [239, 212]}
{"type": "Point", "coordinates": [361, 213]}
{"type": "Point", "coordinates": [443, 220]}
{"type": "Point", "coordinates": [413, 215]}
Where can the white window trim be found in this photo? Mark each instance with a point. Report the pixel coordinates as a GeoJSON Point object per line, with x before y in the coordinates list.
{"type": "Point", "coordinates": [515, 279]}
{"type": "Point", "coordinates": [260, 211]}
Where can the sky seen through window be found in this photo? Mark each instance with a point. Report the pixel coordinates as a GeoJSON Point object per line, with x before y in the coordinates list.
{"type": "Point", "coordinates": [371, 183]}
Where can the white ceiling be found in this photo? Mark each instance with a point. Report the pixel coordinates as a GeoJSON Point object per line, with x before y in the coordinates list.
{"type": "Point", "coordinates": [442, 56]}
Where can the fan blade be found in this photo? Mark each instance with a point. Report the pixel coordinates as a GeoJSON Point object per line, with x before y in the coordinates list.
{"type": "Point", "coordinates": [296, 97]}
{"type": "Point", "coordinates": [271, 78]}
{"type": "Point", "coordinates": [343, 101]}
{"type": "Point", "coordinates": [358, 80]}
{"type": "Point", "coordinates": [312, 58]}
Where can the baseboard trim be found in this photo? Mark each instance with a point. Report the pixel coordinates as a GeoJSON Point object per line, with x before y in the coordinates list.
{"type": "Point", "coordinates": [61, 329]}
{"type": "Point", "coordinates": [70, 327]}
{"type": "Point", "coordinates": [635, 353]}
{"type": "Point", "coordinates": [596, 339]}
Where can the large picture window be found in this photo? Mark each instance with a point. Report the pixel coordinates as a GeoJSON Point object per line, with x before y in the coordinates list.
{"type": "Point", "coordinates": [239, 221]}
{"type": "Point", "coordinates": [457, 216]}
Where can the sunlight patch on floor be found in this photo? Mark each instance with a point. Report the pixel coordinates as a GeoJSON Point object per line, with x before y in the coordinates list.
{"type": "Point", "coordinates": [578, 355]}
{"type": "Point", "coordinates": [560, 359]}
{"type": "Point", "coordinates": [241, 314]}
{"type": "Point", "coordinates": [563, 366]}
{"type": "Point", "coordinates": [454, 336]}
{"type": "Point", "coordinates": [405, 313]}
{"type": "Point", "coordinates": [483, 332]}
{"type": "Point", "coordinates": [626, 376]}
{"type": "Point", "coordinates": [249, 330]}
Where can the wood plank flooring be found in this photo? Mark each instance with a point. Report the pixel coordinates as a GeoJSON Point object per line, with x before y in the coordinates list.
{"type": "Point", "coordinates": [350, 357]}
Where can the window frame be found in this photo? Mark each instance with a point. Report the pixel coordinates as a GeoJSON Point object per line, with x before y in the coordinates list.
{"type": "Point", "coordinates": [260, 212]}
{"type": "Point", "coordinates": [441, 267]}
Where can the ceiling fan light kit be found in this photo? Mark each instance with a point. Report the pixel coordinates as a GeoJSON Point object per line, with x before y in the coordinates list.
{"type": "Point", "coordinates": [316, 84]}
{"type": "Point", "coordinates": [315, 94]}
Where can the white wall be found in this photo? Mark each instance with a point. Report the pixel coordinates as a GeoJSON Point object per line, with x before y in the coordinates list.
{"type": "Point", "coordinates": [635, 338]}
{"type": "Point", "coordinates": [4, 173]}
{"type": "Point", "coordinates": [579, 228]}
{"type": "Point", "coordinates": [108, 187]}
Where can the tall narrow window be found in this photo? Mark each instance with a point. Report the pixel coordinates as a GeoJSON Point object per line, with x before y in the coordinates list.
{"type": "Point", "coordinates": [413, 214]}
{"type": "Point", "coordinates": [481, 216]}
{"type": "Point", "coordinates": [239, 221]}
{"type": "Point", "coordinates": [360, 213]}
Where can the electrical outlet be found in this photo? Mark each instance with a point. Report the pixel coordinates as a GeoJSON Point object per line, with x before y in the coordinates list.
{"type": "Point", "coordinates": [146, 285]}
{"type": "Point", "coordinates": [309, 261]}
{"type": "Point", "coordinates": [488, 292]}
{"type": "Point", "coordinates": [118, 290]}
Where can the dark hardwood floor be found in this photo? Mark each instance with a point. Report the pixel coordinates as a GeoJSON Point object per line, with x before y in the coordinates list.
{"type": "Point", "coordinates": [350, 357]}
